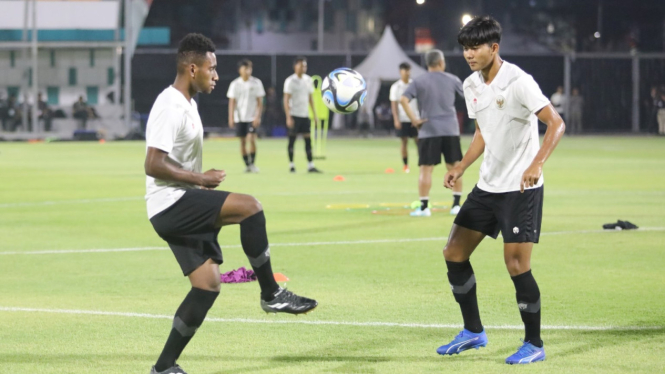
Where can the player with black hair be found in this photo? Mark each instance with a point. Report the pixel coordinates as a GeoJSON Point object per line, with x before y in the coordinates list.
{"type": "Point", "coordinates": [245, 96]}
{"type": "Point", "coordinates": [401, 120]}
{"type": "Point", "coordinates": [298, 89]}
{"type": "Point", "coordinates": [188, 213]}
{"type": "Point", "coordinates": [506, 103]}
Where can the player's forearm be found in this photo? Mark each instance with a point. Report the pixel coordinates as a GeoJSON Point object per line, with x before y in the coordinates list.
{"type": "Point", "coordinates": [231, 109]}
{"type": "Point", "coordinates": [259, 110]}
{"type": "Point", "coordinates": [167, 170]}
{"type": "Point", "coordinates": [287, 110]}
{"type": "Point", "coordinates": [555, 130]}
{"type": "Point", "coordinates": [311, 104]}
{"type": "Point", "coordinates": [407, 108]}
{"type": "Point", "coordinates": [395, 109]}
{"type": "Point", "coordinates": [476, 149]}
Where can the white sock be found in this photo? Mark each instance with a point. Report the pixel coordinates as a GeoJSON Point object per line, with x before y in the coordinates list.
{"type": "Point", "coordinates": [310, 164]}
{"type": "Point", "coordinates": [291, 164]}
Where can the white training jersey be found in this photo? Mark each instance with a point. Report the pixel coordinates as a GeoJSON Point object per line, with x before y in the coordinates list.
{"type": "Point", "coordinates": [396, 92]}
{"type": "Point", "coordinates": [299, 89]}
{"type": "Point", "coordinates": [174, 126]}
{"type": "Point", "coordinates": [245, 93]}
{"type": "Point", "coordinates": [506, 114]}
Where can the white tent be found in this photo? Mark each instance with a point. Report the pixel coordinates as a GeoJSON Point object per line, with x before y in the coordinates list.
{"type": "Point", "coordinates": [381, 65]}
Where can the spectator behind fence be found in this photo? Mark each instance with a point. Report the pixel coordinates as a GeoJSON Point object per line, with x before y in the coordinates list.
{"type": "Point", "coordinates": [82, 112]}
{"type": "Point", "coordinates": [558, 100]}
{"type": "Point", "coordinates": [576, 108]}
{"type": "Point", "coordinates": [384, 116]}
{"type": "Point", "coordinates": [45, 113]}
{"type": "Point", "coordinates": [10, 114]}
{"type": "Point", "coordinates": [659, 105]}
{"type": "Point", "coordinates": [271, 110]}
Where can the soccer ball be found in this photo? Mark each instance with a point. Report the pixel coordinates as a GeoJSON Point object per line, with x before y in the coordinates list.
{"type": "Point", "coordinates": [344, 90]}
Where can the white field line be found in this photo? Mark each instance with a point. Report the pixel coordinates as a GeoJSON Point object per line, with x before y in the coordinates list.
{"type": "Point", "coordinates": [333, 323]}
{"type": "Point", "coordinates": [309, 244]}
{"type": "Point", "coordinates": [136, 198]}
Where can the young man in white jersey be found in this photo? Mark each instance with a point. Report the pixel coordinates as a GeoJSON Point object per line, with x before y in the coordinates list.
{"type": "Point", "coordinates": [507, 104]}
{"type": "Point", "coordinates": [298, 89]}
{"type": "Point", "coordinates": [188, 213]}
{"type": "Point", "coordinates": [402, 122]}
{"type": "Point", "coordinates": [245, 109]}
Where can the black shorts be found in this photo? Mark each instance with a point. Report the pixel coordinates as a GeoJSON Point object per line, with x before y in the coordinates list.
{"type": "Point", "coordinates": [189, 227]}
{"type": "Point", "coordinates": [517, 215]}
{"type": "Point", "coordinates": [244, 128]}
{"type": "Point", "coordinates": [300, 126]}
{"type": "Point", "coordinates": [431, 149]}
{"type": "Point", "coordinates": [407, 131]}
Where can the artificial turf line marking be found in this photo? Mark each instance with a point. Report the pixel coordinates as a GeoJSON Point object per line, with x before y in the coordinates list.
{"type": "Point", "coordinates": [372, 241]}
{"type": "Point", "coordinates": [133, 198]}
{"type": "Point", "coordinates": [333, 323]}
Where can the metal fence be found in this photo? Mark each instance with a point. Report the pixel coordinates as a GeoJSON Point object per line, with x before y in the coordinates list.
{"type": "Point", "coordinates": [615, 87]}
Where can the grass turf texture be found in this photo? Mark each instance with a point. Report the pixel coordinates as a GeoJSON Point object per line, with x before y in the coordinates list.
{"type": "Point", "coordinates": [94, 201]}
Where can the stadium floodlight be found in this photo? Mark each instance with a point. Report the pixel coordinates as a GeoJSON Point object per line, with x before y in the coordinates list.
{"type": "Point", "coordinates": [596, 35]}
{"type": "Point", "coordinates": [466, 18]}
{"type": "Point", "coordinates": [420, 2]}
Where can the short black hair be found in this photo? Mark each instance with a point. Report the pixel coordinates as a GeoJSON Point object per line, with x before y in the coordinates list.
{"type": "Point", "coordinates": [480, 30]}
{"type": "Point", "coordinates": [404, 66]}
{"type": "Point", "coordinates": [244, 62]}
{"type": "Point", "coordinates": [299, 59]}
{"type": "Point", "coordinates": [193, 48]}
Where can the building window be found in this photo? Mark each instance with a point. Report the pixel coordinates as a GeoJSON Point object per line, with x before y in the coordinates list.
{"type": "Point", "coordinates": [72, 76]}
{"type": "Point", "coordinates": [92, 93]}
{"type": "Point", "coordinates": [52, 58]}
{"type": "Point", "coordinates": [53, 95]}
{"type": "Point", "coordinates": [13, 91]}
{"type": "Point", "coordinates": [29, 76]}
{"type": "Point", "coordinates": [110, 76]}
{"type": "Point", "coordinates": [92, 58]}
{"type": "Point", "coordinates": [12, 59]}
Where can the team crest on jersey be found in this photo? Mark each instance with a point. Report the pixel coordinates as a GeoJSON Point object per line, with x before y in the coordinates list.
{"type": "Point", "coordinates": [500, 102]}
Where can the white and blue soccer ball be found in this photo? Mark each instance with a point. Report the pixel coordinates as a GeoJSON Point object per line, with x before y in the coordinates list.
{"type": "Point", "coordinates": [344, 90]}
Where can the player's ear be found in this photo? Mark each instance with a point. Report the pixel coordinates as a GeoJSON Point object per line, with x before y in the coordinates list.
{"type": "Point", "coordinates": [495, 47]}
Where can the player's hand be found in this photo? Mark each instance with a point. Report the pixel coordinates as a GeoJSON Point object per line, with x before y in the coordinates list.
{"type": "Point", "coordinates": [452, 176]}
{"type": "Point", "coordinates": [316, 122]}
{"type": "Point", "coordinates": [398, 125]}
{"type": "Point", "coordinates": [212, 178]}
{"type": "Point", "coordinates": [419, 123]}
{"type": "Point", "coordinates": [232, 124]}
{"type": "Point", "coordinates": [256, 123]}
{"type": "Point", "coordinates": [289, 122]}
{"type": "Point", "coordinates": [531, 176]}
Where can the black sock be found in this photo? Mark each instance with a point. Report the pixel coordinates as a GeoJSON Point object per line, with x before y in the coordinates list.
{"type": "Point", "coordinates": [308, 149]}
{"type": "Point", "coordinates": [528, 302]}
{"type": "Point", "coordinates": [253, 158]}
{"type": "Point", "coordinates": [246, 159]}
{"type": "Point", "coordinates": [424, 203]}
{"type": "Point", "coordinates": [463, 283]}
{"type": "Point", "coordinates": [456, 198]}
{"type": "Point", "coordinates": [254, 241]}
{"type": "Point", "coordinates": [406, 161]}
{"type": "Point", "coordinates": [188, 318]}
{"type": "Point", "coordinates": [292, 142]}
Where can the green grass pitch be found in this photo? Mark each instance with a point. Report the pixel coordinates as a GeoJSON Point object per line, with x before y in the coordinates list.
{"type": "Point", "coordinates": [379, 276]}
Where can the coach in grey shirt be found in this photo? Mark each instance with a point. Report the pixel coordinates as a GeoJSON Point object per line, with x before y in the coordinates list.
{"type": "Point", "coordinates": [438, 128]}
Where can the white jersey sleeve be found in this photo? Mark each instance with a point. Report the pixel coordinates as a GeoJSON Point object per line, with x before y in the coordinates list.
{"type": "Point", "coordinates": [164, 129]}
{"type": "Point", "coordinates": [394, 92]}
{"type": "Point", "coordinates": [470, 101]}
{"type": "Point", "coordinates": [260, 92]}
{"type": "Point", "coordinates": [528, 93]}
{"type": "Point", "coordinates": [231, 93]}
{"type": "Point", "coordinates": [288, 86]}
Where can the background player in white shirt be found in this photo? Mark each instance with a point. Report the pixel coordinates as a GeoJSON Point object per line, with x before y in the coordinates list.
{"type": "Point", "coordinates": [298, 89]}
{"type": "Point", "coordinates": [402, 122]}
{"type": "Point", "coordinates": [507, 104]}
{"type": "Point", "coordinates": [188, 213]}
{"type": "Point", "coordinates": [245, 109]}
